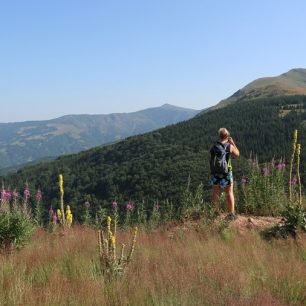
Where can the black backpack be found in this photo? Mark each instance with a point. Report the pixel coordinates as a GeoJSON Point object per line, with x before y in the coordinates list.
{"type": "Point", "coordinates": [219, 158]}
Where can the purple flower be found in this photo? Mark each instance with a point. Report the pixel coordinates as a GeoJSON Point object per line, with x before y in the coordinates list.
{"type": "Point", "coordinates": [38, 196]}
{"type": "Point", "coordinates": [5, 195]}
{"type": "Point", "coordinates": [15, 194]}
{"type": "Point", "coordinates": [54, 219]}
{"type": "Point", "coordinates": [243, 180]}
{"type": "Point", "coordinates": [114, 205]}
{"type": "Point", "coordinates": [51, 212]}
{"type": "Point", "coordinates": [130, 206]}
{"type": "Point", "coordinates": [294, 181]}
{"type": "Point", "coordinates": [281, 165]}
{"type": "Point", "coordinates": [26, 192]}
{"type": "Point", "coordinates": [265, 171]}
{"type": "Point", "coordinates": [87, 204]}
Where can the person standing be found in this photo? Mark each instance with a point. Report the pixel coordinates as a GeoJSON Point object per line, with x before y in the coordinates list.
{"type": "Point", "coordinates": [221, 169]}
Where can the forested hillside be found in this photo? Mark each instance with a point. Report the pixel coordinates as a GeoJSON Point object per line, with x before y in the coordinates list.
{"type": "Point", "coordinates": [156, 165]}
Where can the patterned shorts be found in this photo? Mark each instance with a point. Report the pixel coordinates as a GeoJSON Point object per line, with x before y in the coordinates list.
{"type": "Point", "coordinates": [222, 180]}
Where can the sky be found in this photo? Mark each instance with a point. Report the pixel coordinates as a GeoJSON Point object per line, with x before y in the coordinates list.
{"type": "Point", "coordinates": [97, 57]}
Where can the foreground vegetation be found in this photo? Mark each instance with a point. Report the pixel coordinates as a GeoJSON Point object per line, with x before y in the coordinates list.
{"type": "Point", "coordinates": [179, 265]}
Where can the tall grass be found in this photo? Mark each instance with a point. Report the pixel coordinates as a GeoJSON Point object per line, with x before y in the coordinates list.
{"type": "Point", "coordinates": [177, 266]}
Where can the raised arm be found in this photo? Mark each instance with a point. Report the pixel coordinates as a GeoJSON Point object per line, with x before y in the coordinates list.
{"type": "Point", "coordinates": [234, 150]}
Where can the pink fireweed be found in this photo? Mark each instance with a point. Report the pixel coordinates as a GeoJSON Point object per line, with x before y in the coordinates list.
{"type": "Point", "coordinates": [265, 171]}
{"type": "Point", "coordinates": [38, 196]}
{"type": "Point", "coordinates": [26, 192]}
{"type": "Point", "coordinates": [5, 195]}
{"type": "Point", "coordinates": [15, 194]}
{"type": "Point", "coordinates": [281, 165]}
{"type": "Point", "coordinates": [54, 219]}
{"type": "Point", "coordinates": [294, 181]}
{"type": "Point", "coordinates": [51, 212]}
{"type": "Point", "coordinates": [130, 206]}
{"type": "Point", "coordinates": [114, 205]}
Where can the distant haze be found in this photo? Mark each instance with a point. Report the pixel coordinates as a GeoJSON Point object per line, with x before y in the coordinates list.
{"type": "Point", "coordinates": [99, 57]}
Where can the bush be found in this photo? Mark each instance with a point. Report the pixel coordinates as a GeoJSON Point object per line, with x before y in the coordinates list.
{"type": "Point", "coordinates": [15, 230]}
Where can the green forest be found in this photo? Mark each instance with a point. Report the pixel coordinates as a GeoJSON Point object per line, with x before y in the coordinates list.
{"type": "Point", "coordinates": [156, 165]}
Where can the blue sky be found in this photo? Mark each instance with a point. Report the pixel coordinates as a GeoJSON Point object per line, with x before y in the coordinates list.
{"type": "Point", "coordinates": [68, 57]}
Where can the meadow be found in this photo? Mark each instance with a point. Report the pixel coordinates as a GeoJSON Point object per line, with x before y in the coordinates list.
{"type": "Point", "coordinates": [172, 265]}
{"type": "Point", "coordinates": [184, 255]}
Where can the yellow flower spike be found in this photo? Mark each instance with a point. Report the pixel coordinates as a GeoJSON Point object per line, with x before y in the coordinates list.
{"type": "Point", "coordinates": [61, 184]}
{"type": "Point", "coordinates": [109, 220]}
{"type": "Point", "coordinates": [59, 213]}
{"type": "Point", "coordinates": [113, 240]}
{"type": "Point", "coordinates": [298, 149]}
{"type": "Point", "coordinates": [295, 135]}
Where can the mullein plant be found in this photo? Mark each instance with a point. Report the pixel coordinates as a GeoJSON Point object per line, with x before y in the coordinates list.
{"type": "Point", "coordinates": [61, 190]}
{"type": "Point", "coordinates": [294, 143]}
{"type": "Point", "coordinates": [111, 264]}
{"type": "Point", "coordinates": [65, 219]}
{"type": "Point", "coordinates": [294, 216]}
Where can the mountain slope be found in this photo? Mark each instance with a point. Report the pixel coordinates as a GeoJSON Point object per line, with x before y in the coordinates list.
{"type": "Point", "coordinates": [25, 142]}
{"type": "Point", "coordinates": [156, 165]}
{"type": "Point", "coordinates": [292, 82]}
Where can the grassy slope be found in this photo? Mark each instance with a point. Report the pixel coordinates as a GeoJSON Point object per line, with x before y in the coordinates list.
{"type": "Point", "coordinates": [184, 266]}
{"type": "Point", "coordinates": [291, 83]}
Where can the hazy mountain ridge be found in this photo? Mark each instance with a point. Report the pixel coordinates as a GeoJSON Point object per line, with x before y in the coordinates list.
{"type": "Point", "coordinates": [24, 142]}
{"type": "Point", "coordinates": [290, 83]}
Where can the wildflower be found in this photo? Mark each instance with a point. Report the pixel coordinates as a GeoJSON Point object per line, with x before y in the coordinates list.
{"type": "Point", "coordinates": [38, 196]}
{"type": "Point", "coordinates": [265, 172]}
{"type": "Point", "coordinates": [61, 184]}
{"type": "Point", "coordinates": [295, 134]}
{"type": "Point", "coordinates": [281, 165]}
{"type": "Point", "coordinates": [243, 180]}
{"type": "Point", "coordinates": [113, 241]}
{"type": "Point", "coordinates": [298, 149]}
{"type": "Point", "coordinates": [87, 204]}
{"type": "Point", "coordinates": [5, 195]}
{"type": "Point", "coordinates": [273, 163]}
{"type": "Point", "coordinates": [26, 192]}
{"type": "Point", "coordinates": [69, 216]}
{"type": "Point", "coordinates": [54, 219]}
{"type": "Point", "coordinates": [294, 181]}
{"type": "Point", "coordinates": [109, 220]}
{"type": "Point", "coordinates": [51, 212]}
{"type": "Point", "coordinates": [114, 205]}
{"type": "Point", "coordinates": [130, 206]}
{"type": "Point", "coordinates": [15, 194]}
{"type": "Point", "coordinates": [59, 213]}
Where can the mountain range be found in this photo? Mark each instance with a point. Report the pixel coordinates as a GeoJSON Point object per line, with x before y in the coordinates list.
{"type": "Point", "coordinates": [156, 165]}
{"type": "Point", "coordinates": [30, 141]}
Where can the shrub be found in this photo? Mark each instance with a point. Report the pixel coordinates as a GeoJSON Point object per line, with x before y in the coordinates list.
{"type": "Point", "coordinates": [15, 230]}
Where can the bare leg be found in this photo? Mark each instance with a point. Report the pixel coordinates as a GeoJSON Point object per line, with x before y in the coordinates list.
{"type": "Point", "coordinates": [216, 190]}
{"type": "Point", "coordinates": [230, 198]}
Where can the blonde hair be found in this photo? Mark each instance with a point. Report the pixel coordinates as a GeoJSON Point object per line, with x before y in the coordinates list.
{"type": "Point", "coordinates": [223, 133]}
